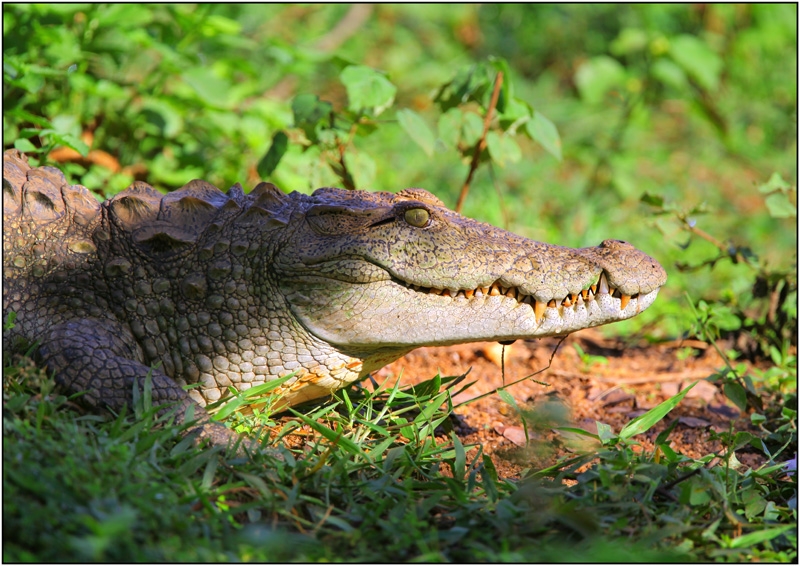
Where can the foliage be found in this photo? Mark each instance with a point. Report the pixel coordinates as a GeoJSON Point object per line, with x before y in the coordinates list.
{"type": "Point", "coordinates": [382, 477]}
{"type": "Point", "coordinates": [684, 116]}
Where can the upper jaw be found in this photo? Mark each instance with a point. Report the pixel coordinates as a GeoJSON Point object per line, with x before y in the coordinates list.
{"type": "Point", "coordinates": [614, 302]}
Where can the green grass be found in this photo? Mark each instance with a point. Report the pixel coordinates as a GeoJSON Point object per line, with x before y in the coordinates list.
{"type": "Point", "coordinates": [673, 122]}
{"type": "Point", "coordinates": [374, 483]}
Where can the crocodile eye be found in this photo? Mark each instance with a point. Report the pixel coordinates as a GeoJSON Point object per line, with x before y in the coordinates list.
{"type": "Point", "coordinates": [417, 217]}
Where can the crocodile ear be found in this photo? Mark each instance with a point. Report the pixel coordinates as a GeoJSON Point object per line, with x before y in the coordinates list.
{"type": "Point", "coordinates": [136, 205]}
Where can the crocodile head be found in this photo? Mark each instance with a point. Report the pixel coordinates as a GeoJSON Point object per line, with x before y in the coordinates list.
{"type": "Point", "coordinates": [378, 274]}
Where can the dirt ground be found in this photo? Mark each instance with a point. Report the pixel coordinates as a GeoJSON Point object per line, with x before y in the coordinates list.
{"type": "Point", "coordinates": [577, 391]}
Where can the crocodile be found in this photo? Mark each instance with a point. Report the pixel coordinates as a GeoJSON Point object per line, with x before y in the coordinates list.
{"type": "Point", "coordinates": [205, 290]}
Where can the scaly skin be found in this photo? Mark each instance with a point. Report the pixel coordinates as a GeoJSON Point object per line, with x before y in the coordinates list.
{"type": "Point", "coordinates": [231, 289]}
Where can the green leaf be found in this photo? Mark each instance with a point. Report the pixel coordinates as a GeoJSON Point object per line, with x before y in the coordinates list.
{"type": "Point", "coordinates": [309, 112]}
{"type": "Point", "coordinates": [597, 76]}
{"type": "Point", "coordinates": [516, 113]}
{"type": "Point", "coordinates": [459, 464]}
{"type": "Point", "coordinates": [605, 433]}
{"type": "Point", "coordinates": [309, 109]}
{"type": "Point", "coordinates": [471, 83]}
{"type": "Point", "coordinates": [367, 89]}
{"type": "Point", "coordinates": [629, 40]}
{"type": "Point", "coordinates": [503, 149]}
{"type": "Point", "coordinates": [736, 393]}
{"type": "Point", "coordinates": [775, 183]}
{"type": "Point", "coordinates": [72, 142]}
{"type": "Point", "coordinates": [544, 131]}
{"type": "Point", "coordinates": [230, 405]}
{"type": "Point", "coordinates": [669, 74]}
{"type": "Point", "coordinates": [471, 129]}
{"type": "Point", "coordinates": [211, 89]}
{"type": "Point", "coordinates": [450, 126]}
{"type": "Point", "coordinates": [362, 168]}
{"type": "Point", "coordinates": [270, 161]}
{"type": "Point", "coordinates": [779, 206]}
{"type": "Point", "coordinates": [758, 537]}
{"type": "Point", "coordinates": [653, 200]}
{"type": "Point", "coordinates": [164, 115]}
{"type": "Point", "coordinates": [506, 89]}
{"type": "Point", "coordinates": [697, 59]}
{"type": "Point", "coordinates": [507, 397]}
{"type": "Point", "coordinates": [646, 421]}
{"type": "Point", "coordinates": [25, 146]}
{"type": "Point", "coordinates": [417, 129]}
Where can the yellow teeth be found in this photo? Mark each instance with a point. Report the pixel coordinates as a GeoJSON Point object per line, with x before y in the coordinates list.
{"type": "Point", "coordinates": [539, 307]}
{"type": "Point", "coordinates": [538, 310]}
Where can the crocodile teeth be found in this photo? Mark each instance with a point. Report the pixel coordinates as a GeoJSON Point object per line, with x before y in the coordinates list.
{"type": "Point", "coordinates": [602, 285]}
{"type": "Point", "coordinates": [538, 310]}
{"type": "Point", "coordinates": [573, 299]}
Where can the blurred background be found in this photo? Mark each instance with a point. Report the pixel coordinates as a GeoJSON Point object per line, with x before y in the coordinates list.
{"type": "Point", "coordinates": [670, 126]}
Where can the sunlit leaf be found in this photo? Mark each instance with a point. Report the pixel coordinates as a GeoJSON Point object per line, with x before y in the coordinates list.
{"type": "Point", "coordinates": [72, 142]}
{"type": "Point", "coordinates": [758, 537]}
{"type": "Point", "coordinates": [450, 126]}
{"type": "Point", "coordinates": [362, 168]}
{"type": "Point", "coordinates": [780, 207]}
{"type": "Point", "coordinates": [775, 183]}
{"type": "Point", "coordinates": [669, 74]}
{"type": "Point", "coordinates": [367, 89]}
{"type": "Point", "coordinates": [210, 88]}
{"type": "Point", "coordinates": [597, 76]}
{"type": "Point", "coordinates": [503, 149]}
{"type": "Point", "coordinates": [544, 131]}
{"type": "Point", "coordinates": [646, 421]}
{"type": "Point", "coordinates": [697, 59]}
{"type": "Point", "coordinates": [629, 40]}
{"type": "Point", "coordinates": [416, 127]}
{"type": "Point", "coordinates": [471, 129]}
{"type": "Point", "coordinates": [25, 146]}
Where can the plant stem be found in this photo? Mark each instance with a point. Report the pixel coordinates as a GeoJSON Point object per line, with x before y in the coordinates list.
{"type": "Point", "coordinates": [481, 145]}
